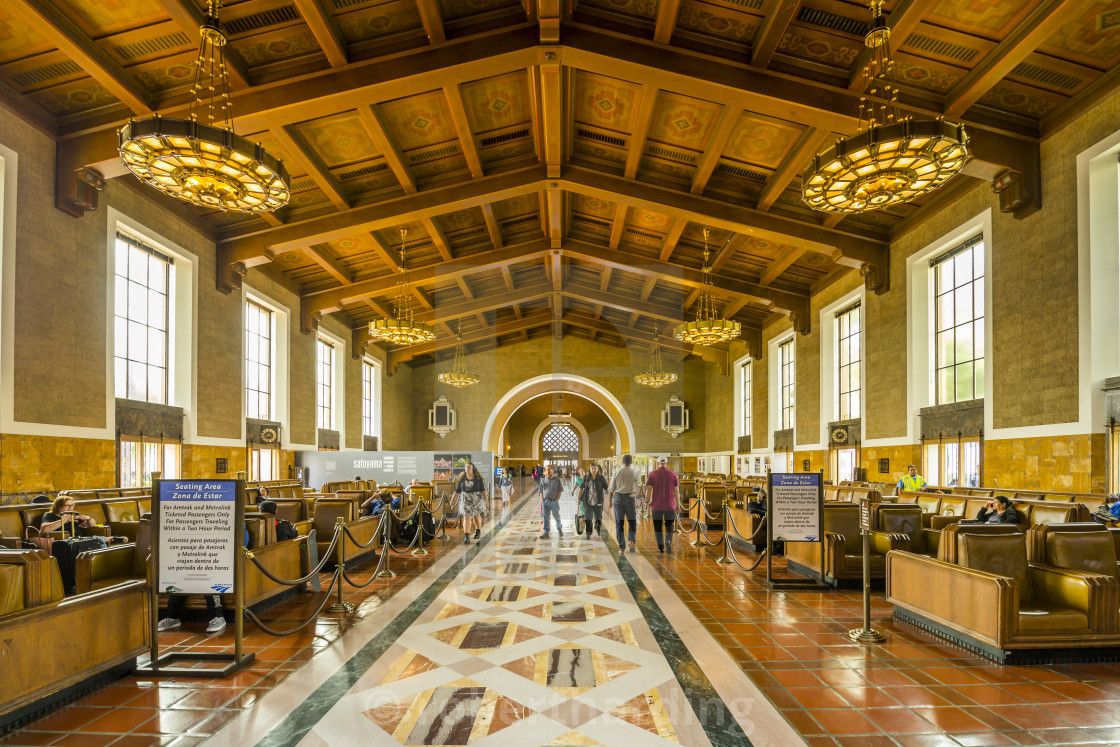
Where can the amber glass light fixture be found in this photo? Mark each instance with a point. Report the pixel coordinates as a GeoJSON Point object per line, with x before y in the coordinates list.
{"type": "Point", "coordinates": [201, 160]}
{"type": "Point", "coordinates": [655, 376]}
{"type": "Point", "coordinates": [708, 328]}
{"type": "Point", "coordinates": [459, 376]}
{"type": "Point", "coordinates": [891, 159]}
{"type": "Point", "coordinates": [403, 329]}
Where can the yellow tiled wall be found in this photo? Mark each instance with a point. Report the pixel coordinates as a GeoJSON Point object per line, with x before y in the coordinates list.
{"type": "Point", "coordinates": [900, 458]}
{"type": "Point", "coordinates": [1066, 463]}
{"type": "Point", "coordinates": [43, 463]}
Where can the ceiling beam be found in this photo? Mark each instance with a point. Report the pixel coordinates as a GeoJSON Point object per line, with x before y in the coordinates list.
{"type": "Point", "coordinates": [842, 247]}
{"type": "Point", "coordinates": [390, 213]}
{"type": "Point", "coordinates": [323, 29]}
{"type": "Point", "coordinates": [672, 238]}
{"type": "Point", "coordinates": [809, 144]}
{"type": "Point", "coordinates": [661, 312]}
{"type": "Point", "coordinates": [1024, 39]}
{"type": "Point", "coordinates": [56, 28]}
{"type": "Point", "coordinates": [605, 278]}
{"type": "Point", "coordinates": [642, 121]}
{"type": "Point", "coordinates": [618, 225]}
{"type": "Point", "coordinates": [708, 163]}
{"type": "Point", "coordinates": [432, 20]}
{"type": "Point", "coordinates": [492, 226]}
{"type": "Point", "coordinates": [581, 319]}
{"type": "Point", "coordinates": [331, 300]}
{"type": "Point", "coordinates": [189, 19]}
{"type": "Point", "coordinates": [335, 268]}
{"type": "Point", "coordinates": [298, 149]}
{"type": "Point", "coordinates": [902, 20]}
{"type": "Point", "coordinates": [780, 301]}
{"type": "Point", "coordinates": [375, 128]}
{"type": "Point", "coordinates": [507, 277]}
{"type": "Point", "coordinates": [489, 302]}
{"type": "Point", "coordinates": [552, 114]}
{"type": "Point", "coordinates": [647, 289]}
{"type": "Point", "coordinates": [403, 355]}
{"type": "Point", "coordinates": [727, 251]}
{"type": "Point", "coordinates": [780, 264]}
{"type": "Point", "coordinates": [666, 20]}
{"type": "Point", "coordinates": [771, 30]}
{"type": "Point", "coordinates": [555, 216]}
{"type": "Point", "coordinates": [437, 237]}
{"type": "Point", "coordinates": [463, 127]}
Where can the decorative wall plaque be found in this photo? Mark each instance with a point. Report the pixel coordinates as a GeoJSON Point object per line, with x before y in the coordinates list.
{"type": "Point", "coordinates": [442, 418]}
{"type": "Point", "coordinates": [674, 418]}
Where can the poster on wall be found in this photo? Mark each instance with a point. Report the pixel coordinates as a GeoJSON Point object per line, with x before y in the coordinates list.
{"type": "Point", "coordinates": [384, 467]}
{"type": "Point", "coordinates": [197, 536]}
{"type": "Point", "coordinates": [441, 465]}
{"type": "Point", "coordinates": [796, 505]}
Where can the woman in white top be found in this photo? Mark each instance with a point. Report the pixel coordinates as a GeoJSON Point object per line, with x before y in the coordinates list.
{"type": "Point", "coordinates": [623, 487]}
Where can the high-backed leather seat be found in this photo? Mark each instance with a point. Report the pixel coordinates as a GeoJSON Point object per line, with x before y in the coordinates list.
{"type": "Point", "coordinates": [899, 527]}
{"type": "Point", "coordinates": [993, 596]}
{"type": "Point", "coordinates": [839, 554]}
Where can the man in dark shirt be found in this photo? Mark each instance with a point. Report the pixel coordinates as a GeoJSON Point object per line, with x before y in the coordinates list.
{"type": "Point", "coordinates": [998, 511]}
{"type": "Point", "coordinates": [550, 488]}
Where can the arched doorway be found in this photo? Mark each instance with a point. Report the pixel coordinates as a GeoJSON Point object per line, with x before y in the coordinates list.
{"type": "Point", "coordinates": [568, 384]}
{"type": "Point", "coordinates": [560, 446]}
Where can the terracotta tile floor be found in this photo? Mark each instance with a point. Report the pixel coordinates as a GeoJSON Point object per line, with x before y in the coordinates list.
{"type": "Point", "coordinates": [914, 690]}
{"type": "Point", "coordinates": [138, 712]}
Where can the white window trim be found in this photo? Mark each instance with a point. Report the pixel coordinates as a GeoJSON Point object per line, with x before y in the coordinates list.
{"type": "Point", "coordinates": [920, 338]}
{"type": "Point", "coordinates": [774, 391]}
{"type": "Point", "coordinates": [338, 391]}
{"type": "Point", "coordinates": [1098, 277]}
{"type": "Point", "coordinates": [739, 397]}
{"type": "Point", "coordinates": [378, 376]}
{"type": "Point", "coordinates": [281, 366]}
{"type": "Point", "coordinates": [830, 359]}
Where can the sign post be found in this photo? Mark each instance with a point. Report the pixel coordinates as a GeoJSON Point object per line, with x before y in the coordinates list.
{"type": "Point", "coordinates": [794, 513]}
{"type": "Point", "coordinates": [198, 529]}
{"type": "Point", "coordinates": [866, 634]}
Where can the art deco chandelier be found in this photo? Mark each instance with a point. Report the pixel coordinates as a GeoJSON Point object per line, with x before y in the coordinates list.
{"type": "Point", "coordinates": [403, 329]}
{"type": "Point", "coordinates": [891, 159]}
{"type": "Point", "coordinates": [655, 376]}
{"type": "Point", "coordinates": [205, 163]}
{"type": "Point", "coordinates": [708, 328]}
{"type": "Point", "coordinates": [459, 376]}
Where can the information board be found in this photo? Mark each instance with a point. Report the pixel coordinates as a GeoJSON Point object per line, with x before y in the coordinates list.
{"type": "Point", "coordinates": [796, 500]}
{"type": "Point", "coordinates": [197, 535]}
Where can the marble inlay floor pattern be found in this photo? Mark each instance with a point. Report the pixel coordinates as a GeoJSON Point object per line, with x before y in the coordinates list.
{"type": "Point", "coordinates": [536, 642]}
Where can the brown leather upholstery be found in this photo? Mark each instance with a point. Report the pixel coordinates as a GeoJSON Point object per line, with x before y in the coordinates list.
{"type": "Point", "coordinates": [947, 548]}
{"type": "Point", "coordinates": [840, 550]}
{"type": "Point", "coordinates": [11, 524]}
{"type": "Point", "coordinates": [1000, 554]}
{"type": "Point", "coordinates": [1092, 552]}
{"type": "Point", "coordinates": [903, 520]}
{"type": "Point", "coordinates": [122, 511]}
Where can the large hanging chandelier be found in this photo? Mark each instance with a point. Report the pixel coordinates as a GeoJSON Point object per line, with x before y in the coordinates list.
{"type": "Point", "coordinates": [708, 328]}
{"type": "Point", "coordinates": [459, 376]}
{"type": "Point", "coordinates": [890, 159]}
{"type": "Point", "coordinates": [655, 376]}
{"type": "Point", "coordinates": [205, 163]}
{"type": "Point", "coordinates": [402, 329]}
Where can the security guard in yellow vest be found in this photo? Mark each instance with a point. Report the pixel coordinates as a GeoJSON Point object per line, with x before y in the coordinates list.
{"type": "Point", "coordinates": [911, 481]}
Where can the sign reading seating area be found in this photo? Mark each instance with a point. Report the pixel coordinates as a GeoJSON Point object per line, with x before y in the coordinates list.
{"type": "Point", "coordinates": [197, 536]}
{"type": "Point", "coordinates": [796, 506]}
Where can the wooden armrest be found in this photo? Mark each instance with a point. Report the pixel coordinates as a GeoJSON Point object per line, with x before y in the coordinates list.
{"type": "Point", "coordinates": [1096, 595]}
{"type": "Point", "coordinates": [884, 542]}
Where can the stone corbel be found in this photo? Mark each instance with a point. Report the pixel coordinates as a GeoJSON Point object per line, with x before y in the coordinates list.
{"type": "Point", "coordinates": [310, 323]}
{"type": "Point", "coordinates": [230, 275]}
{"type": "Point", "coordinates": [872, 279]}
{"type": "Point", "coordinates": [753, 339]}
{"type": "Point", "coordinates": [359, 339]}
{"type": "Point", "coordinates": [1012, 191]}
{"type": "Point", "coordinates": [78, 191]}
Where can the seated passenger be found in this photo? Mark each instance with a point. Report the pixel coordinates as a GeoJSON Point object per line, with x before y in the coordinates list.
{"type": "Point", "coordinates": [377, 503]}
{"type": "Point", "coordinates": [262, 494]}
{"type": "Point", "coordinates": [284, 529]}
{"type": "Point", "coordinates": [214, 608]}
{"type": "Point", "coordinates": [410, 486]}
{"type": "Point", "coordinates": [998, 511]}
{"type": "Point", "coordinates": [62, 510]}
{"type": "Point", "coordinates": [757, 505]}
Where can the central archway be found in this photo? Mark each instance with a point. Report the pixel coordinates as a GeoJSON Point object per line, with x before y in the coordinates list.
{"type": "Point", "coordinates": [579, 386]}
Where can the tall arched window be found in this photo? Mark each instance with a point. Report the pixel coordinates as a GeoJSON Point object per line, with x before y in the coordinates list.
{"type": "Point", "coordinates": [561, 438]}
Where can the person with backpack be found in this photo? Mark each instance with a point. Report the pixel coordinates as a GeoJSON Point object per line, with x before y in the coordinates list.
{"type": "Point", "coordinates": [592, 495]}
{"type": "Point", "coordinates": [284, 529]}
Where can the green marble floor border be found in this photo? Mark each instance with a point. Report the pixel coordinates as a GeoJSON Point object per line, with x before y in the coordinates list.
{"type": "Point", "coordinates": [302, 720]}
{"type": "Point", "coordinates": [717, 720]}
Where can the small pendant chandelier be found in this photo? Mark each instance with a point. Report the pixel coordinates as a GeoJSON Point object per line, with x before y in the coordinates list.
{"type": "Point", "coordinates": [402, 329]}
{"type": "Point", "coordinates": [890, 159]}
{"type": "Point", "coordinates": [204, 163]}
{"type": "Point", "coordinates": [655, 376]}
{"type": "Point", "coordinates": [708, 328]}
{"type": "Point", "coordinates": [459, 376]}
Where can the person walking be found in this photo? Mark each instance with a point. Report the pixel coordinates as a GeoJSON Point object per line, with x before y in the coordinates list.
{"type": "Point", "coordinates": [506, 485]}
{"type": "Point", "coordinates": [470, 489]}
{"type": "Point", "coordinates": [663, 494]}
{"type": "Point", "coordinates": [550, 489]}
{"type": "Point", "coordinates": [623, 487]}
{"type": "Point", "coordinates": [592, 495]}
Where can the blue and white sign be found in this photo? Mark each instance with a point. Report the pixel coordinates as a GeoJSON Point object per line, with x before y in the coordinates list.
{"type": "Point", "coordinates": [198, 536]}
{"type": "Point", "coordinates": [795, 514]}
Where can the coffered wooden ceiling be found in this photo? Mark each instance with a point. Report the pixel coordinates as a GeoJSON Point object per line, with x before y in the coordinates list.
{"type": "Point", "coordinates": [555, 164]}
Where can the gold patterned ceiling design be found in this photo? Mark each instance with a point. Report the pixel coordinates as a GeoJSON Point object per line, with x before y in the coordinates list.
{"type": "Point", "coordinates": [557, 185]}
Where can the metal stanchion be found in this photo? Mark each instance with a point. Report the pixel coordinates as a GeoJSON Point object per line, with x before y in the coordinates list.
{"type": "Point", "coordinates": [420, 549]}
{"type": "Point", "coordinates": [866, 634]}
{"type": "Point", "coordinates": [386, 547]}
{"type": "Point", "coordinates": [725, 559]}
{"type": "Point", "coordinates": [340, 605]}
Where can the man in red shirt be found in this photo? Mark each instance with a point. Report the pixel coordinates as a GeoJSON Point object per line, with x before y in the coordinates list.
{"type": "Point", "coordinates": [663, 492]}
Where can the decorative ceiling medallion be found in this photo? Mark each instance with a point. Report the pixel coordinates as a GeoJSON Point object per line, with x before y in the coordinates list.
{"type": "Point", "coordinates": [402, 329]}
{"type": "Point", "coordinates": [707, 328]}
{"type": "Point", "coordinates": [890, 159]}
{"type": "Point", "coordinates": [205, 164]}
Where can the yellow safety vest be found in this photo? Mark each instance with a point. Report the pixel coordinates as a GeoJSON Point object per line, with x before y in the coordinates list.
{"type": "Point", "coordinates": [915, 483]}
